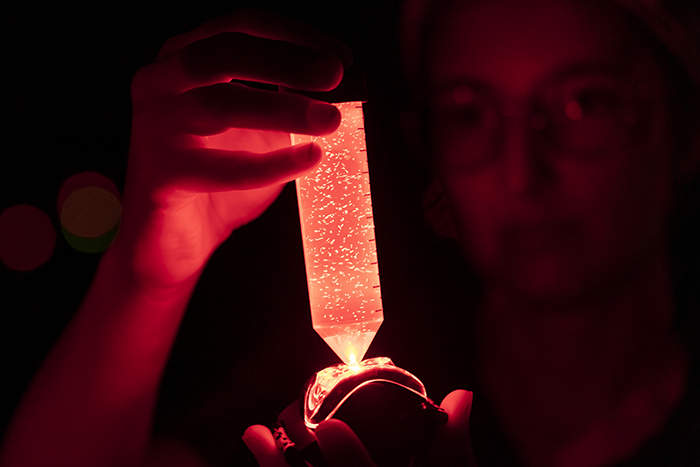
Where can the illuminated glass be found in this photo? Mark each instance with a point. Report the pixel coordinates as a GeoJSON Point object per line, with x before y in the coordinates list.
{"type": "Point", "coordinates": [335, 208]}
{"type": "Point", "coordinates": [331, 387]}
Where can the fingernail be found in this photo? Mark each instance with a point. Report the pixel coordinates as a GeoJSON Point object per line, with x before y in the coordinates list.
{"type": "Point", "coordinates": [322, 116]}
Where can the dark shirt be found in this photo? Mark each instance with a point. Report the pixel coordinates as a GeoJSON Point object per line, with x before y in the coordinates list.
{"type": "Point", "coordinates": [677, 445]}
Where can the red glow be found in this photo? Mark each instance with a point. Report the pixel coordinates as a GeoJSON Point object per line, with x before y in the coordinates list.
{"type": "Point", "coordinates": [335, 208]}
{"type": "Point", "coordinates": [332, 386]}
{"type": "Point", "coordinates": [27, 237]}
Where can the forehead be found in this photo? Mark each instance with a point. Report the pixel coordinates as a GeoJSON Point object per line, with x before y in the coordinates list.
{"type": "Point", "coordinates": [514, 44]}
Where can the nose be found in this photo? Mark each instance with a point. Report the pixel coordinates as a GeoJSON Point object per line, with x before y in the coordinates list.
{"type": "Point", "coordinates": [525, 168]}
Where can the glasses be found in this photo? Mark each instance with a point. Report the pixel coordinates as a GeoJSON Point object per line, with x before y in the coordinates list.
{"type": "Point", "coordinates": [580, 116]}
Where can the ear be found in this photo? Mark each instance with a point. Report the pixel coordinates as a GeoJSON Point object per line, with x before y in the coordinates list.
{"type": "Point", "coordinates": [437, 211]}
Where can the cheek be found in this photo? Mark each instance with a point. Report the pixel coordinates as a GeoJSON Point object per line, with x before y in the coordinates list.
{"type": "Point", "coordinates": [621, 203]}
{"type": "Point", "coordinates": [618, 206]}
{"type": "Point", "coordinates": [477, 209]}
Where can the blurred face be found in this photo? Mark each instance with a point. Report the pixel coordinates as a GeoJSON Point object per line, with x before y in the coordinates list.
{"type": "Point", "coordinates": [549, 129]}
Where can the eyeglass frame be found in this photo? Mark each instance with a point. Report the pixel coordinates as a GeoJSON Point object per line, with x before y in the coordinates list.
{"type": "Point", "coordinates": [637, 94]}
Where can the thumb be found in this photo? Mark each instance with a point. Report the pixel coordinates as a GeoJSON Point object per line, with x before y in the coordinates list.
{"type": "Point", "coordinates": [451, 446]}
{"type": "Point", "coordinates": [261, 443]}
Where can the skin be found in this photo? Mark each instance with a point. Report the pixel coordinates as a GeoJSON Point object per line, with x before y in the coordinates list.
{"type": "Point", "coordinates": [540, 224]}
{"type": "Point", "coordinates": [576, 320]}
{"type": "Point", "coordinates": [187, 189]}
{"type": "Point", "coordinates": [206, 157]}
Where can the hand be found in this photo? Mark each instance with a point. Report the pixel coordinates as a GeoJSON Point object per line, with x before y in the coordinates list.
{"type": "Point", "coordinates": [208, 155]}
{"type": "Point", "coordinates": [339, 444]}
{"type": "Point", "coordinates": [451, 446]}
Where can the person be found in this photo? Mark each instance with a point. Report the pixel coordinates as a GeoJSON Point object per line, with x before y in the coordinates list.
{"type": "Point", "coordinates": [554, 127]}
{"type": "Point", "coordinates": [553, 130]}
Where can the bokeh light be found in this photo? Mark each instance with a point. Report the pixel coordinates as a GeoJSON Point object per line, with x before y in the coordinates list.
{"type": "Point", "coordinates": [27, 237]}
{"type": "Point", "coordinates": [90, 211]}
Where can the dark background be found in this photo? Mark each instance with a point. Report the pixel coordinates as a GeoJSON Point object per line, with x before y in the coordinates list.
{"type": "Point", "coordinates": [246, 346]}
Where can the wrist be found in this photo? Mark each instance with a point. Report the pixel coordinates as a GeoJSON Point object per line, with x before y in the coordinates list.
{"type": "Point", "coordinates": [127, 273]}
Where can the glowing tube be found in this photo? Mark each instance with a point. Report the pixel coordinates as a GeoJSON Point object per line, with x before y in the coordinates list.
{"type": "Point", "coordinates": [335, 208]}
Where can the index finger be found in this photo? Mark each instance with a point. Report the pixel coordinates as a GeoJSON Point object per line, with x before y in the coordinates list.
{"type": "Point", "coordinates": [248, 45]}
{"type": "Point", "coordinates": [234, 55]}
{"type": "Point", "coordinates": [266, 25]}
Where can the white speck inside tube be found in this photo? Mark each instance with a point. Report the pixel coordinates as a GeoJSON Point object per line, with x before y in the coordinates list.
{"type": "Point", "coordinates": [335, 209]}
